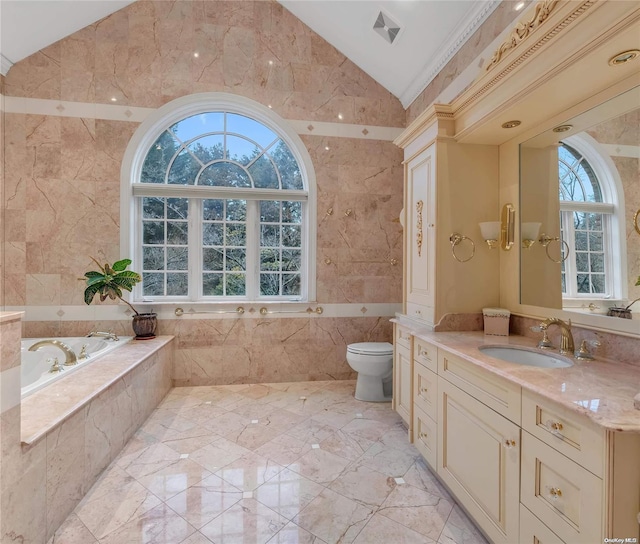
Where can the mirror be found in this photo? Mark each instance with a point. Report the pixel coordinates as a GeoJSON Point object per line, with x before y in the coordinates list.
{"type": "Point", "coordinates": [579, 199]}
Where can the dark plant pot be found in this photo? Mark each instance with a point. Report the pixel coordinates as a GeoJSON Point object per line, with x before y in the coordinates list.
{"type": "Point", "coordinates": [144, 325]}
{"type": "Point", "coordinates": [624, 313]}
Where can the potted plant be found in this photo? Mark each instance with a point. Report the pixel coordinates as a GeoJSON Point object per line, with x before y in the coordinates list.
{"type": "Point", "coordinates": [109, 282]}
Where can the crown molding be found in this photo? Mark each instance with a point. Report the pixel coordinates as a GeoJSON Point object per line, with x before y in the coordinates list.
{"type": "Point", "coordinates": [436, 112]}
{"type": "Point", "coordinates": [5, 64]}
{"type": "Point", "coordinates": [467, 27]}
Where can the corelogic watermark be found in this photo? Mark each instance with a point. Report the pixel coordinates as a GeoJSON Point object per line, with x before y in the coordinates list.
{"type": "Point", "coordinates": [630, 540]}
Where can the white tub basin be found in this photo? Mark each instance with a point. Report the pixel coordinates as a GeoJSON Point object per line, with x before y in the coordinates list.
{"type": "Point", "coordinates": [526, 356]}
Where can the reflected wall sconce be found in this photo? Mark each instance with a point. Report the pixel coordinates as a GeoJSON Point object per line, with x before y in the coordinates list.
{"type": "Point", "coordinates": [529, 232]}
{"type": "Point", "coordinates": [500, 233]}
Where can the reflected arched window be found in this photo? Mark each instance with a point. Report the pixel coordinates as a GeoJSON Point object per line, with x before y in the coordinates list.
{"type": "Point", "coordinates": [220, 204]}
{"type": "Point", "coordinates": [586, 212]}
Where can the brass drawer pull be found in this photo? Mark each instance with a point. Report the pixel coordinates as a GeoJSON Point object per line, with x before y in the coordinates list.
{"type": "Point", "coordinates": [423, 390]}
{"type": "Point", "coordinates": [509, 443]}
{"type": "Point", "coordinates": [423, 435]}
{"type": "Point", "coordinates": [555, 492]}
{"type": "Point", "coordinates": [555, 427]}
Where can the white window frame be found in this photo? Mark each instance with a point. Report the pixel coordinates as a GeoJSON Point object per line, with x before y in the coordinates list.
{"type": "Point", "coordinates": [130, 188]}
{"type": "Point", "coordinates": [612, 209]}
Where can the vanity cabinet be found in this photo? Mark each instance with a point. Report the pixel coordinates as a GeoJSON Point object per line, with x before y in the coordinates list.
{"type": "Point", "coordinates": [425, 400]}
{"type": "Point", "coordinates": [479, 458]}
{"type": "Point", "coordinates": [403, 375]}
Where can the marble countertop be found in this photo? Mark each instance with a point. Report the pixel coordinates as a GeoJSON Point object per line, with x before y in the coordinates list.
{"type": "Point", "coordinates": [45, 409]}
{"type": "Point", "coordinates": [600, 389]}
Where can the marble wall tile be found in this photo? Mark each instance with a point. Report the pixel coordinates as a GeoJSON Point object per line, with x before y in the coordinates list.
{"type": "Point", "coordinates": [10, 334]}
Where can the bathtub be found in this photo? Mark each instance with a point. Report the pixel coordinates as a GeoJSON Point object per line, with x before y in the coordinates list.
{"type": "Point", "coordinates": [35, 365]}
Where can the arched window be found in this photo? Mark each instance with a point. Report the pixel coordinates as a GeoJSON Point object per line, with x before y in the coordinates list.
{"type": "Point", "coordinates": [220, 203]}
{"type": "Point", "coordinates": [589, 206]}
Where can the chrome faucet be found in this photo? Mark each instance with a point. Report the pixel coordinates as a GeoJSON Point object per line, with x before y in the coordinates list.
{"type": "Point", "coordinates": [566, 341]}
{"type": "Point", "coordinates": [70, 356]}
{"type": "Point", "coordinates": [108, 335]}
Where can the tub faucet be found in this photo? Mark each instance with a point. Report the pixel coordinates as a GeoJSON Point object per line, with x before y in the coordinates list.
{"type": "Point", "coordinates": [566, 341]}
{"type": "Point", "coordinates": [70, 356]}
{"type": "Point", "coordinates": [108, 335]}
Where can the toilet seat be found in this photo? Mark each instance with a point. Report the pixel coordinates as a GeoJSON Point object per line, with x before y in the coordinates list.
{"type": "Point", "coordinates": [371, 348]}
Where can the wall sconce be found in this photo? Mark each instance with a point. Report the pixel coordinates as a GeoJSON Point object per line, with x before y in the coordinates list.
{"type": "Point", "coordinates": [500, 232]}
{"type": "Point", "coordinates": [529, 232]}
{"type": "Point", "coordinates": [490, 233]}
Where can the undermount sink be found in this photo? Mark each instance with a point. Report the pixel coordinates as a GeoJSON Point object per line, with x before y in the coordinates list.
{"type": "Point", "coordinates": [526, 356]}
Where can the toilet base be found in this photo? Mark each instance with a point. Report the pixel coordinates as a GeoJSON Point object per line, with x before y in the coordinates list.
{"type": "Point", "coordinates": [373, 389]}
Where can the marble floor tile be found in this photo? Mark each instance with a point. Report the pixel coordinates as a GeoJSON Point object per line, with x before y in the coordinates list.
{"type": "Point", "coordinates": [287, 493]}
{"type": "Point", "coordinates": [365, 485]}
{"type": "Point", "coordinates": [296, 463]}
{"type": "Point", "coordinates": [382, 530]}
{"type": "Point", "coordinates": [333, 518]}
{"type": "Point", "coordinates": [249, 471]}
{"type": "Point", "coordinates": [202, 502]}
{"type": "Point", "coordinates": [418, 510]}
{"type": "Point", "coordinates": [246, 521]}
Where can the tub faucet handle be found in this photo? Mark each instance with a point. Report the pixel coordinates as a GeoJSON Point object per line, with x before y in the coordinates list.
{"type": "Point", "coordinates": [83, 352]}
{"type": "Point", "coordinates": [55, 367]}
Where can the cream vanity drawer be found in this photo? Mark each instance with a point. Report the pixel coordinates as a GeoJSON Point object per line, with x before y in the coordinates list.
{"type": "Point", "coordinates": [425, 390]}
{"type": "Point", "coordinates": [568, 432]}
{"type": "Point", "coordinates": [533, 531]}
{"type": "Point", "coordinates": [419, 311]}
{"type": "Point", "coordinates": [403, 336]}
{"type": "Point", "coordinates": [425, 436]}
{"type": "Point", "coordinates": [497, 393]}
{"type": "Point", "coordinates": [425, 353]}
{"type": "Point", "coordinates": [566, 497]}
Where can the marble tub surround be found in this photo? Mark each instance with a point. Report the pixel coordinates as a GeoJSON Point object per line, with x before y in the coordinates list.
{"type": "Point", "coordinates": [615, 347]}
{"type": "Point", "coordinates": [44, 410]}
{"type": "Point", "coordinates": [272, 463]}
{"type": "Point", "coordinates": [46, 476]}
{"type": "Point", "coordinates": [602, 389]}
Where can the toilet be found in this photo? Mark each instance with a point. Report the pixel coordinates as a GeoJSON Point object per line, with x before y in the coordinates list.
{"type": "Point", "coordinates": [373, 361]}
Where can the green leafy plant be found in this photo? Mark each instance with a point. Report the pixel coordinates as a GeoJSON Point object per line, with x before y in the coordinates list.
{"type": "Point", "coordinates": [110, 281]}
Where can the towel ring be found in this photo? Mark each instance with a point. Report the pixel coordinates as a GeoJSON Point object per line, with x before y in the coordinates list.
{"type": "Point", "coordinates": [636, 216]}
{"type": "Point", "coordinates": [562, 243]}
{"type": "Point", "coordinates": [457, 239]}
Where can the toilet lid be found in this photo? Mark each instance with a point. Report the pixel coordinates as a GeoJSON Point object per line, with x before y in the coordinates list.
{"type": "Point", "coordinates": [371, 348]}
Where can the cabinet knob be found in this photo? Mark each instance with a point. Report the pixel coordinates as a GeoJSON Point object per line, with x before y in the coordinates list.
{"type": "Point", "coordinates": [554, 426]}
{"type": "Point", "coordinates": [555, 492]}
{"type": "Point", "coordinates": [423, 435]}
{"type": "Point", "coordinates": [423, 390]}
{"type": "Point", "coordinates": [509, 443]}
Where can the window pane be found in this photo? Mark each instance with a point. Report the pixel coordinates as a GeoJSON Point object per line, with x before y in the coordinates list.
{"type": "Point", "coordinates": [212, 284]}
{"type": "Point", "coordinates": [212, 210]}
{"type": "Point", "coordinates": [177, 285]}
{"type": "Point", "coordinates": [153, 208]}
{"type": "Point", "coordinates": [264, 174]}
{"type": "Point", "coordinates": [595, 241]}
{"type": "Point", "coordinates": [292, 212]}
{"type": "Point", "coordinates": [581, 240]}
{"type": "Point", "coordinates": [597, 262]}
{"type": "Point", "coordinates": [177, 233]}
{"type": "Point", "coordinates": [269, 284]}
{"type": "Point", "coordinates": [208, 148]}
{"type": "Point", "coordinates": [224, 174]}
{"type": "Point", "coordinates": [236, 259]}
{"type": "Point", "coordinates": [292, 236]}
{"type": "Point", "coordinates": [582, 262]}
{"type": "Point", "coordinates": [153, 232]}
{"type": "Point", "coordinates": [583, 283]}
{"type": "Point", "coordinates": [177, 208]}
{"type": "Point", "coordinates": [153, 284]}
{"type": "Point", "coordinates": [235, 284]}
{"type": "Point", "coordinates": [241, 150]}
{"type": "Point", "coordinates": [291, 259]}
{"type": "Point", "coordinates": [153, 258]}
{"type": "Point", "coordinates": [287, 166]}
{"type": "Point", "coordinates": [213, 234]}
{"type": "Point", "coordinates": [256, 131]}
{"type": "Point", "coordinates": [269, 259]}
{"type": "Point", "coordinates": [235, 234]}
{"type": "Point", "coordinates": [212, 259]}
{"type": "Point", "coordinates": [291, 284]}
{"type": "Point", "coordinates": [270, 236]}
{"type": "Point", "coordinates": [595, 221]}
{"type": "Point", "coordinates": [184, 169]}
{"type": "Point", "coordinates": [236, 210]}
{"type": "Point", "coordinates": [200, 123]}
{"type": "Point", "coordinates": [597, 283]}
{"type": "Point", "coordinates": [269, 211]}
{"type": "Point", "coordinates": [157, 160]}
{"type": "Point", "coordinates": [177, 258]}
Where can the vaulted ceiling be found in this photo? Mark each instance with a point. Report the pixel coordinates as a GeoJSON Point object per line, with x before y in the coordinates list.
{"type": "Point", "coordinates": [402, 44]}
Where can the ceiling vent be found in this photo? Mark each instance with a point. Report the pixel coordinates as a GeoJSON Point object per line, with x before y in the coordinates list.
{"type": "Point", "coordinates": [386, 27]}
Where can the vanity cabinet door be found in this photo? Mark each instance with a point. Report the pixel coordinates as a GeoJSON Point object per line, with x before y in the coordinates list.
{"type": "Point", "coordinates": [479, 459]}
{"type": "Point", "coordinates": [420, 209]}
{"type": "Point", "coordinates": [402, 384]}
